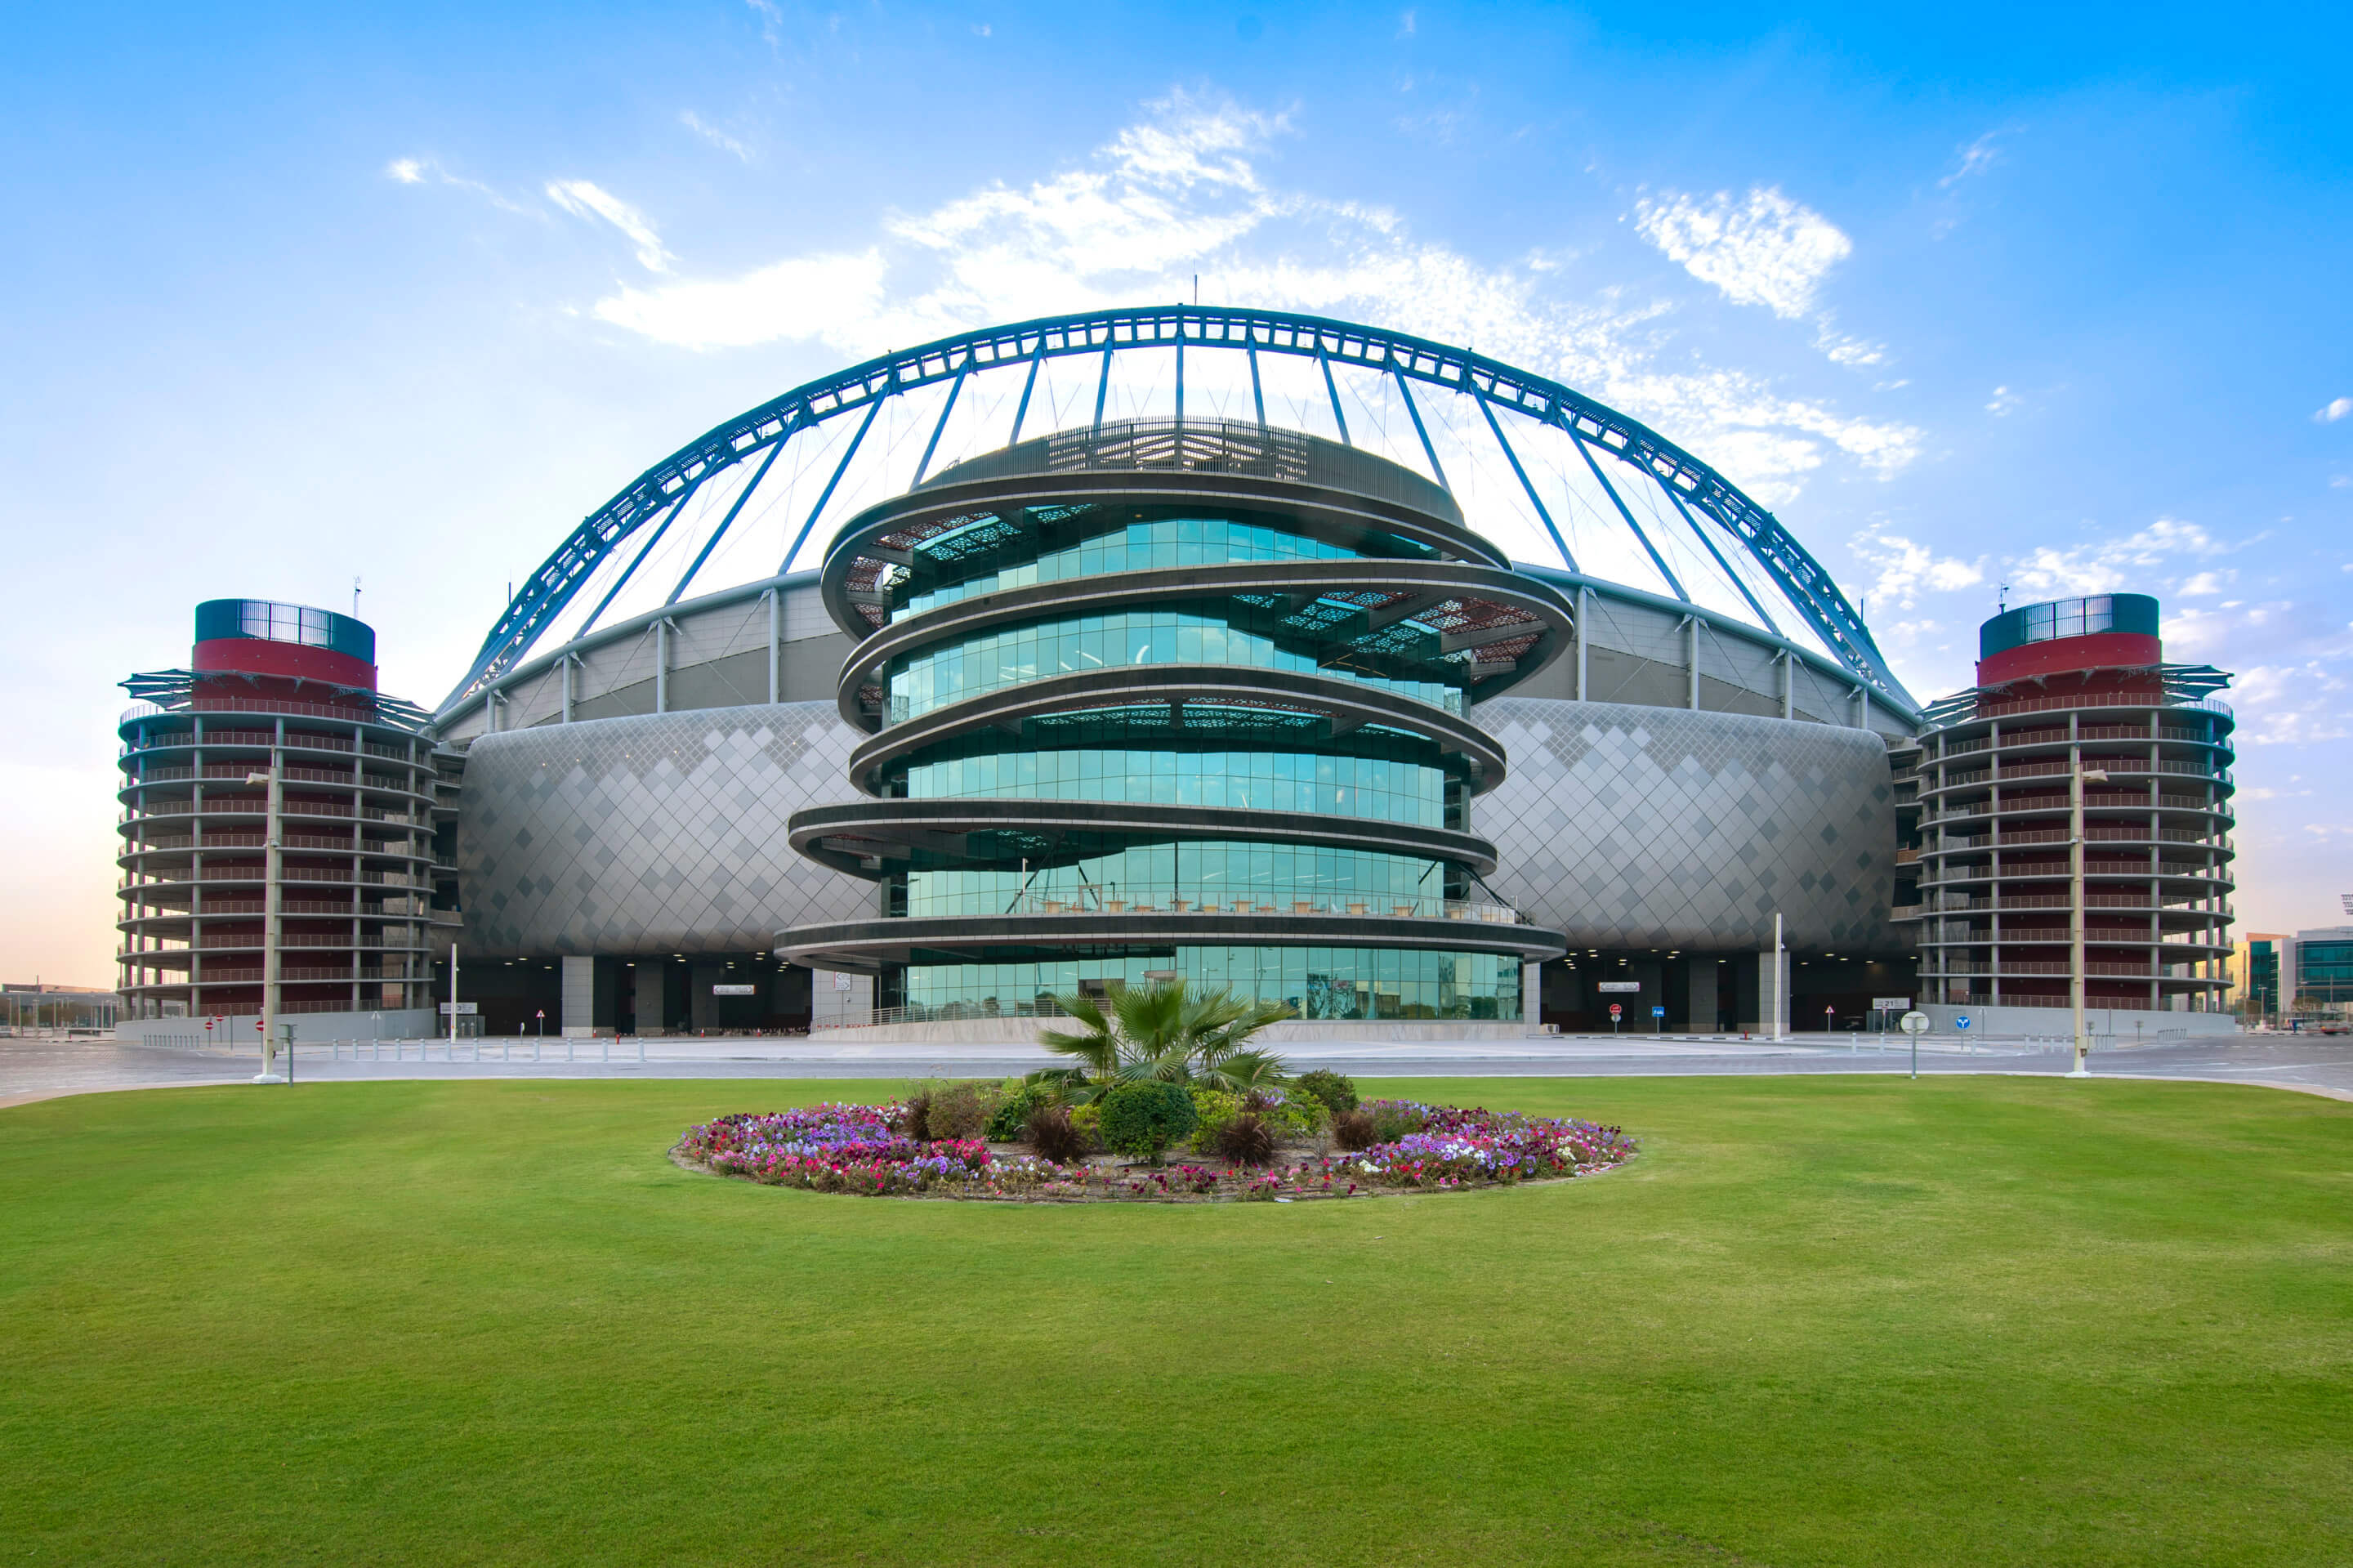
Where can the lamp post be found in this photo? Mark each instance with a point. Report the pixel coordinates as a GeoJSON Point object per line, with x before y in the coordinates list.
{"type": "Point", "coordinates": [2077, 777]}
{"type": "Point", "coordinates": [273, 867]}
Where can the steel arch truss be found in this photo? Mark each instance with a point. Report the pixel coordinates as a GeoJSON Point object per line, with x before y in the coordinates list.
{"type": "Point", "coordinates": [671, 483]}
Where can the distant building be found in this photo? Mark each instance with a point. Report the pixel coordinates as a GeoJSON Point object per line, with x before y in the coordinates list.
{"type": "Point", "coordinates": [2255, 974]}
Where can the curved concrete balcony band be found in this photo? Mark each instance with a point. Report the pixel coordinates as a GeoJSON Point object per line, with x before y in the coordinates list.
{"type": "Point", "coordinates": [943, 827]}
{"type": "Point", "coordinates": [867, 945]}
{"type": "Point", "coordinates": [1513, 608]}
{"type": "Point", "coordinates": [1345, 703]}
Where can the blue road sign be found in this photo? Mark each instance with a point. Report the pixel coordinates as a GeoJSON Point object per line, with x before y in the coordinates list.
{"type": "Point", "coordinates": [1658, 1013]}
{"type": "Point", "coordinates": [1962, 1022]}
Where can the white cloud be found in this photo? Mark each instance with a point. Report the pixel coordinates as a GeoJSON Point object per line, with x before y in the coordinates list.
{"type": "Point", "coordinates": [422, 170]}
{"type": "Point", "coordinates": [2334, 410]}
{"type": "Point", "coordinates": [1975, 158]}
{"type": "Point", "coordinates": [980, 29]}
{"type": "Point", "coordinates": [2130, 564]}
{"type": "Point", "coordinates": [715, 136]}
{"type": "Point", "coordinates": [1841, 349]}
{"type": "Point", "coordinates": [1181, 193]}
{"type": "Point", "coordinates": [1906, 568]}
{"type": "Point", "coordinates": [2003, 401]}
{"type": "Point", "coordinates": [2204, 584]}
{"type": "Point", "coordinates": [582, 199]}
{"type": "Point", "coordinates": [1763, 250]}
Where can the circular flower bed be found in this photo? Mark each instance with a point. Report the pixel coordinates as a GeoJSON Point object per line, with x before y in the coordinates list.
{"type": "Point", "coordinates": [868, 1150]}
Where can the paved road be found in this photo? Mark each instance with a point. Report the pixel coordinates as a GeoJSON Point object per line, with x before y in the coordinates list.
{"type": "Point", "coordinates": [36, 1068]}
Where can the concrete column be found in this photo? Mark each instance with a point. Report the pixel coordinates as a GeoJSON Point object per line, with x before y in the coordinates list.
{"type": "Point", "coordinates": [578, 1014]}
{"type": "Point", "coordinates": [661, 666]}
{"type": "Point", "coordinates": [1584, 635]}
{"type": "Point", "coordinates": [1531, 996]}
{"type": "Point", "coordinates": [776, 598]}
{"type": "Point", "coordinates": [1691, 659]}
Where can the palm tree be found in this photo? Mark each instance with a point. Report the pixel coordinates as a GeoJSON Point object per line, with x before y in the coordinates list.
{"type": "Point", "coordinates": [1165, 1032]}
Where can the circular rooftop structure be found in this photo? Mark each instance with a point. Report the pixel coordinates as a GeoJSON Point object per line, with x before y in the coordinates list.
{"type": "Point", "coordinates": [1537, 472]}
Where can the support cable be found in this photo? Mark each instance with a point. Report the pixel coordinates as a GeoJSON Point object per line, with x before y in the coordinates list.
{"type": "Point", "coordinates": [1028, 385]}
{"type": "Point", "coordinates": [1332, 389]}
{"type": "Point", "coordinates": [840, 469]}
{"type": "Point", "coordinates": [945, 409]}
{"type": "Point", "coordinates": [1627, 513]}
{"type": "Point", "coordinates": [1533, 499]}
{"type": "Point", "coordinates": [725, 523]}
{"type": "Point", "coordinates": [1427, 449]}
{"type": "Point", "coordinates": [635, 561]}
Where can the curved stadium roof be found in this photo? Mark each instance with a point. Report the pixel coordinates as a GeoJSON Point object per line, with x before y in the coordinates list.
{"type": "Point", "coordinates": [1548, 474]}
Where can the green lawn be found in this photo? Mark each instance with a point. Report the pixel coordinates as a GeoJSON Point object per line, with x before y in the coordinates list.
{"type": "Point", "coordinates": [1861, 1320]}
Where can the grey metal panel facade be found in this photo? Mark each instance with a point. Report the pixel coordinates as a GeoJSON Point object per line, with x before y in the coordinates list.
{"type": "Point", "coordinates": [1641, 827]}
{"type": "Point", "coordinates": [653, 834]}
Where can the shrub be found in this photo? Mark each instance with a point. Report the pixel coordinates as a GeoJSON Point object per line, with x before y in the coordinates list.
{"type": "Point", "coordinates": [1355, 1130]}
{"type": "Point", "coordinates": [1052, 1136]}
{"type": "Point", "coordinates": [1087, 1122]}
{"type": "Point", "coordinates": [1336, 1090]}
{"type": "Point", "coordinates": [1017, 1099]}
{"type": "Point", "coordinates": [1247, 1139]}
{"type": "Point", "coordinates": [1395, 1118]}
{"type": "Point", "coordinates": [917, 1123]}
{"type": "Point", "coordinates": [1212, 1109]}
{"type": "Point", "coordinates": [959, 1110]}
{"type": "Point", "coordinates": [1142, 1119]}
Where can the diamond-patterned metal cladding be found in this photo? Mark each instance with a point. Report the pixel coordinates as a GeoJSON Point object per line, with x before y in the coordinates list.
{"type": "Point", "coordinates": [654, 834]}
{"type": "Point", "coordinates": [1622, 826]}
{"type": "Point", "coordinates": [1639, 827]}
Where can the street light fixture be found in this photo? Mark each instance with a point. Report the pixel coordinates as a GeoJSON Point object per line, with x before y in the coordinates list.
{"type": "Point", "coordinates": [273, 866]}
{"type": "Point", "coordinates": [2078, 776]}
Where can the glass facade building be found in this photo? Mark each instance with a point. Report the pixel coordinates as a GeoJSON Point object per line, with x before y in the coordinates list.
{"type": "Point", "coordinates": [1187, 701]}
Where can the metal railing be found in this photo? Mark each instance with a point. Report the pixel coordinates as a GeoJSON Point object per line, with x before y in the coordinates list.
{"type": "Point", "coordinates": [1111, 899]}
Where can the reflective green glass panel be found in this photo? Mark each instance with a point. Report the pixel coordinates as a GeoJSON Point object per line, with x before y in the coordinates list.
{"type": "Point", "coordinates": [1246, 878]}
{"type": "Point", "coordinates": [1010, 655]}
{"type": "Point", "coordinates": [1315, 982]}
{"type": "Point", "coordinates": [1142, 546]}
{"type": "Point", "coordinates": [1376, 787]}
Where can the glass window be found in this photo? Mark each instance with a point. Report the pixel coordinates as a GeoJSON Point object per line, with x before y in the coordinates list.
{"type": "Point", "coordinates": [1316, 983]}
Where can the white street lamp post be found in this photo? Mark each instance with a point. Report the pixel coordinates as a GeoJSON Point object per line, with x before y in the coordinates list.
{"type": "Point", "coordinates": [273, 867]}
{"type": "Point", "coordinates": [2077, 777]}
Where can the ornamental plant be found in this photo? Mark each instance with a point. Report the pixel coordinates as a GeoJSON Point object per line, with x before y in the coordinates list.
{"type": "Point", "coordinates": [1142, 1119]}
{"type": "Point", "coordinates": [1166, 1033]}
{"type": "Point", "coordinates": [873, 1150]}
{"type": "Point", "coordinates": [1337, 1091]}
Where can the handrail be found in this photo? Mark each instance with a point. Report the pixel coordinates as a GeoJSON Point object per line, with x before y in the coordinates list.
{"type": "Point", "coordinates": [1114, 899]}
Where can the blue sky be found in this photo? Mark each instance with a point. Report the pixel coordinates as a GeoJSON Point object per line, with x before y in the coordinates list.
{"type": "Point", "coordinates": [2028, 297]}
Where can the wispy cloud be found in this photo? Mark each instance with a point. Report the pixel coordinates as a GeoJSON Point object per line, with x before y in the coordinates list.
{"type": "Point", "coordinates": [582, 199]}
{"type": "Point", "coordinates": [1975, 158]}
{"type": "Point", "coordinates": [2333, 410]}
{"type": "Point", "coordinates": [1906, 568]}
{"type": "Point", "coordinates": [2105, 566]}
{"type": "Point", "coordinates": [715, 136]}
{"type": "Point", "coordinates": [1181, 191]}
{"type": "Point", "coordinates": [1758, 249]}
{"type": "Point", "coordinates": [424, 171]}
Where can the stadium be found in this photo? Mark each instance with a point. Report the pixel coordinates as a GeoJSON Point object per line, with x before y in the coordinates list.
{"type": "Point", "coordinates": [1353, 670]}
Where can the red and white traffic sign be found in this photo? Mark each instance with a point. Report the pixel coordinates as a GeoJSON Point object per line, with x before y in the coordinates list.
{"type": "Point", "coordinates": [1615, 1010]}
